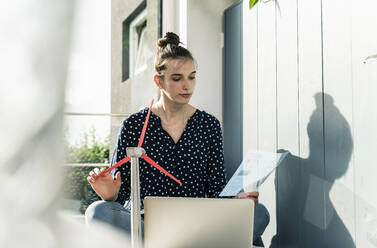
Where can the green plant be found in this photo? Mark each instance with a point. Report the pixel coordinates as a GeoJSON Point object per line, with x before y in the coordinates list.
{"type": "Point", "coordinates": [252, 3]}
{"type": "Point", "coordinates": [88, 150]}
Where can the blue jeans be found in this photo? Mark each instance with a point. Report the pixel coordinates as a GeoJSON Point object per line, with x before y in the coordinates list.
{"type": "Point", "coordinates": [117, 216]}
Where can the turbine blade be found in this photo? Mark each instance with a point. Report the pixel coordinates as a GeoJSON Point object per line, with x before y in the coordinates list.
{"type": "Point", "coordinates": [141, 139]}
{"type": "Point", "coordinates": [125, 160]}
{"type": "Point", "coordinates": [153, 163]}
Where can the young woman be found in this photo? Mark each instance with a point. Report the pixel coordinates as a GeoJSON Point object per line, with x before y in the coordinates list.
{"type": "Point", "coordinates": [185, 141]}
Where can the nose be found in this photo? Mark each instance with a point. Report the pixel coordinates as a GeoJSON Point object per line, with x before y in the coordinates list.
{"type": "Point", "coordinates": [186, 84]}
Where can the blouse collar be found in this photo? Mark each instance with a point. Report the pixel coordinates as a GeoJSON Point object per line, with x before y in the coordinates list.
{"type": "Point", "coordinates": [156, 118]}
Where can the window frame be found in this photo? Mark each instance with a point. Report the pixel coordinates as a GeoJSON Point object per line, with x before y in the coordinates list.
{"type": "Point", "coordinates": [81, 114]}
{"type": "Point", "coordinates": [126, 40]}
{"type": "Point", "coordinates": [134, 43]}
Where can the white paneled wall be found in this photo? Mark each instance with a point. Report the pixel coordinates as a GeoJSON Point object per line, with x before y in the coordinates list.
{"type": "Point", "coordinates": [307, 90]}
{"type": "Point", "coordinates": [250, 66]}
{"type": "Point", "coordinates": [206, 43]}
{"type": "Point", "coordinates": [364, 84]}
{"type": "Point", "coordinates": [337, 81]}
{"type": "Point", "coordinates": [266, 97]}
{"type": "Point", "coordinates": [287, 125]}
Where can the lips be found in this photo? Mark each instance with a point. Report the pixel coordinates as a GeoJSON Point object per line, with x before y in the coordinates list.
{"type": "Point", "coordinates": [185, 95]}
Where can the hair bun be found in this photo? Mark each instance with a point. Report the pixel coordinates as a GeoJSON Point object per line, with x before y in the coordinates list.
{"type": "Point", "coordinates": [169, 38]}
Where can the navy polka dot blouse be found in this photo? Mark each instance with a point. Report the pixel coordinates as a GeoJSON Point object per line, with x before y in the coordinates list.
{"type": "Point", "coordinates": [197, 159]}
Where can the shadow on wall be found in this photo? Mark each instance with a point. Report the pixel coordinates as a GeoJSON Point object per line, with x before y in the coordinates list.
{"type": "Point", "coordinates": [306, 216]}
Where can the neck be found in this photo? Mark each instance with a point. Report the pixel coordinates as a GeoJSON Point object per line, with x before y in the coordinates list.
{"type": "Point", "coordinates": [170, 110]}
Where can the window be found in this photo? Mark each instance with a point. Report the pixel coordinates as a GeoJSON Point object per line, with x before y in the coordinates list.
{"type": "Point", "coordinates": [134, 44]}
{"type": "Point", "coordinates": [87, 102]}
{"type": "Point", "coordinates": [138, 44]}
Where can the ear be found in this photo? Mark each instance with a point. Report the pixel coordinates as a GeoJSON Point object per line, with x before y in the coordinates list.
{"type": "Point", "coordinates": [157, 81]}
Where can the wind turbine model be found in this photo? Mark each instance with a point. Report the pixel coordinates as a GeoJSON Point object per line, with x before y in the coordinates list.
{"type": "Point", "coordinates": [133, 154]}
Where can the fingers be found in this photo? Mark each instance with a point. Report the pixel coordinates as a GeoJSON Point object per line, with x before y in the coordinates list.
{"type": "Point", "coordinates": [118, 180]}
{"type": "Point", "coordinates": [117, 176]}
{"type": "Point", "coordinates": [249, 195]}
{"type": "Point", "coordinates": [93, 175]}
{"type": "Point", "coordinates": [253, 194]}
{"type": "Point", "coordinates": [90, 179]}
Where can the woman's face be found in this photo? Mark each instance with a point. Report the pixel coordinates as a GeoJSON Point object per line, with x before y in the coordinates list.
{"type": "Point", "coordinates": [179, 80]}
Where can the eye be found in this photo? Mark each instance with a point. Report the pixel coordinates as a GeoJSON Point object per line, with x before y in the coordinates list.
{"type": "Point", "coordinates": [176, 79]}
{"type": "Point", "coordinates": [191, 78]}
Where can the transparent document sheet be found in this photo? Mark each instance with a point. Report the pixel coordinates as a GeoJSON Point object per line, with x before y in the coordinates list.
{"type": "Point", "coordinates": [253, 171]}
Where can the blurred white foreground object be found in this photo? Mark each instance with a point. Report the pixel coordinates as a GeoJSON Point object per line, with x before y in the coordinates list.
{"type": "Point", "coordinates": [34, 47]}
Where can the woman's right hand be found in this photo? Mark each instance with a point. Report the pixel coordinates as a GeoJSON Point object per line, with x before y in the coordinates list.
{"type": "Point", "coordinates": [105, 186]}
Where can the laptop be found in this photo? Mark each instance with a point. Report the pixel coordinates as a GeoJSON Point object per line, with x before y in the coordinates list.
{"type": "Point", "coordinates": [175, 222]}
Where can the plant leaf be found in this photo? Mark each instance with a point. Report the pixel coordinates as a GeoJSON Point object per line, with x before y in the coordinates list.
{"type": "Point", "coordinates": [252, 3]}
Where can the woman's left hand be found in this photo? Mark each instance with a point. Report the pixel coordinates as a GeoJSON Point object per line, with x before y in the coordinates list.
{"type": "Point", "coordinates": [249, 195]}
